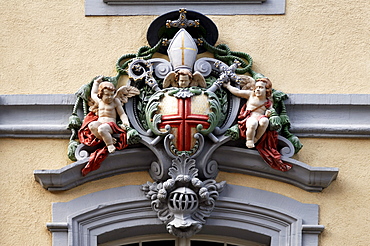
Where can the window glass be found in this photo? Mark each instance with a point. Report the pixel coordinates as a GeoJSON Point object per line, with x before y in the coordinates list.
{"type": "Point", "coordinates": [205, 243]}
{"type": "Point", "coordinates": [160, 243]}
{"type": "Point", "coordinates": [167, 240]}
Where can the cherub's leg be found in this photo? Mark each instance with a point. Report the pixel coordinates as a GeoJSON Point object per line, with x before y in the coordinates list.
{"type": "Point", "coordinates": [252, 124]}
{"type": "Point", "coordinates": [106, 132]}
{"type": "Point", "coordinates": [93, 126]}
{"type": "Point", "coordinates": [263, 124]}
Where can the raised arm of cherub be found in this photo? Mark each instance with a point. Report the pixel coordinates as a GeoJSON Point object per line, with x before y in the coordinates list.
{"type": "Point", "coordinates": [95, 88]}
{"type": "Point", "coordinates": [237, 92]}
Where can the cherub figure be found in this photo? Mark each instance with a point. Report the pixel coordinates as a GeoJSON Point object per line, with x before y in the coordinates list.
{"type": "Point", "coordinates": [183, 78]}
{"type": "Point", "coordinates": [107, 104]}
{"type": "Point", "coordinates": [253, 119]}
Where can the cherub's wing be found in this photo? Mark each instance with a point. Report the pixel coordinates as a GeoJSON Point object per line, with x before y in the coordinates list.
{"type": "Point", "coordinates": [198, 80]}
{"type": "Point", "coordinates": [125, 92]}
{"type": "Point", "coordinates": [246, 82]}
{"type": "Point", "coordinates": [170, 80]}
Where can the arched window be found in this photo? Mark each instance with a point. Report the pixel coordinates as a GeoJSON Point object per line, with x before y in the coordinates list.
{"type": "Point", "coordinates": [241, 213]}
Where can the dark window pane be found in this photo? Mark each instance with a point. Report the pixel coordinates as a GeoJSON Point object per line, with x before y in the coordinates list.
{"type": "Point", "coordinates": [205, 243]}
{"type": "Point", "coordinates": [131, 244]}
{"type": "Point", "coordinates": [160, 243]}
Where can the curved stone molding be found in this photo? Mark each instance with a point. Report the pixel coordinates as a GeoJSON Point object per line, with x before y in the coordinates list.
{"type": "Point", "coordinates": [286, 147]}
{"type": "Point", "coordinates": [226, 158]}
{"type": "Point", "coordinates": [159, 167]}
{"type": "Point", "coordinates": [68, 177]}
{"type": "Point", "coordinates": [208, 167]}
{"type": "Point", "coordinates": [245, 161]}
{"type": "Point", "coordinates": [83, 152]}
{"type": "Point", "coordinates": [240, 212]}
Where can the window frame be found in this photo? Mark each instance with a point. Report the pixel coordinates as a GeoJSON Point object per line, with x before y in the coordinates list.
{"type": "Point", "coordinates": [241, 212]}
{"type": "Point", "coordinates": [182, 241]}
{"type": "Point", "coordinates": [217, 7]}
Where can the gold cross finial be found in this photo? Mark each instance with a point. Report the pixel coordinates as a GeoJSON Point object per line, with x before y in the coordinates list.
{"type": "Point", "coordinates": [182, 21]}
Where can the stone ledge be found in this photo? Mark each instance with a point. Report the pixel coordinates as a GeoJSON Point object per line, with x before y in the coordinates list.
{"type": "Point", "coordinates": [313, 179]}
{"type": "Point", "coordinates": [311, 115]}
{"type": "Point", "coordinates": [68, 177]}
{"type": "Point", "coordinates": [246, 161]}
{"type": "Point", "coordinates": [247, 7]}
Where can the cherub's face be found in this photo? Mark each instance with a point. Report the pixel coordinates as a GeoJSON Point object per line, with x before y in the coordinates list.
{"type": "Point", "coordinates": [260, 89]}
{"type": "Point", "coordinates": [108, 96]}
{"type": "Point", "coordinates": [184, 81]}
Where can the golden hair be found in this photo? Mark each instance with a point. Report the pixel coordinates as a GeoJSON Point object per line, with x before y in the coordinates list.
{"type": "Point", "coordinates": [183, 72]}
{"type": "Point", "coordinates": [105, 85]}
{"type": "Point", "coordinates": [268, 85]}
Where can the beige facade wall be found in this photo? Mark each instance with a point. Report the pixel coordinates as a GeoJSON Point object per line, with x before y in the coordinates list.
{"type": "Point", "coordinates": [50, 47]}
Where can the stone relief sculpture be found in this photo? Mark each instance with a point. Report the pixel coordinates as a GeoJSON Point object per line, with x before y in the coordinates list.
{"type": "Point", "coordinates": [253, 119]}
{"type": "Point", "coordinates": [255, 113]}
{"type": "Point", "coordinates": [100, 124]}
{"type": "Point", "coordinates": [182, 109]}
{"type": "Point", "coordinates": [183, 202]}
{"type": "Point", "coordinates": [183, 119]}
{"type": "Point", "coordinates": [183, 78]}
{"type": "Point", "coordinates": [106, 106]}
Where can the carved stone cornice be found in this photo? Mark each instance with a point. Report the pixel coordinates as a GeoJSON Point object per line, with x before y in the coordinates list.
{"type": "Point", "coordinates": [311, 115]}
{"type": "Point", "coordinates": [225, 158]}
{"type": "Point", "coordinates": [329, 115]}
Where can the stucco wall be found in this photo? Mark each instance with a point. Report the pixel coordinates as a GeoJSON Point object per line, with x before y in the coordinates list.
{"type": "Point", "coordinates": [50, 47]}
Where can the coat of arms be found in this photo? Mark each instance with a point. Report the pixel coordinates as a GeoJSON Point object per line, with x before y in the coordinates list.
{"type": "Point", "coordinates": [182, 108]}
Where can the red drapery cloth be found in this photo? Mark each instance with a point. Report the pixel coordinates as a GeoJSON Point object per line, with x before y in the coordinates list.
{"type": "Point", "coordinates": [267, 145]}
{"type": "Point", "coordinates": [86, 137]}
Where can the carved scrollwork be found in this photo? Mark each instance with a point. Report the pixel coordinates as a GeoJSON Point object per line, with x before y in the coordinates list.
{"type": "Point", "coordinates": [210, 169]}
{"type": "Point", "coordinates": [153, 119]}
{"type": "Point", "coordinates": [172, 151]}
{"type": "Point", "coordinates": [183, 202]}
{"type": "Point", "coordinates": [156, 170]}
{"type": "Point", "coordinates": [203, 65]}
{"type": "Point", "coordinates": [168, 146]}
{"type": "Point", "coordinates": [206, 65]}
{"type": "Point", "coordinates": [161, 67]}
{"type": "Point", "coordinates": [285, 147]}
{"type": "Point", "coordinates": [139, 69]}
{"type": "Point", "coordinates": [84, 151]}
{"type": "Point", "coordinates": [214, 116]}
{"type": "Point", "coordinates": [198, 145]}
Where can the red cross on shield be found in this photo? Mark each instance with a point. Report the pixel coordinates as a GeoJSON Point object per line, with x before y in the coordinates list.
{"type": "Point", "coordinates": [184, 122]}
